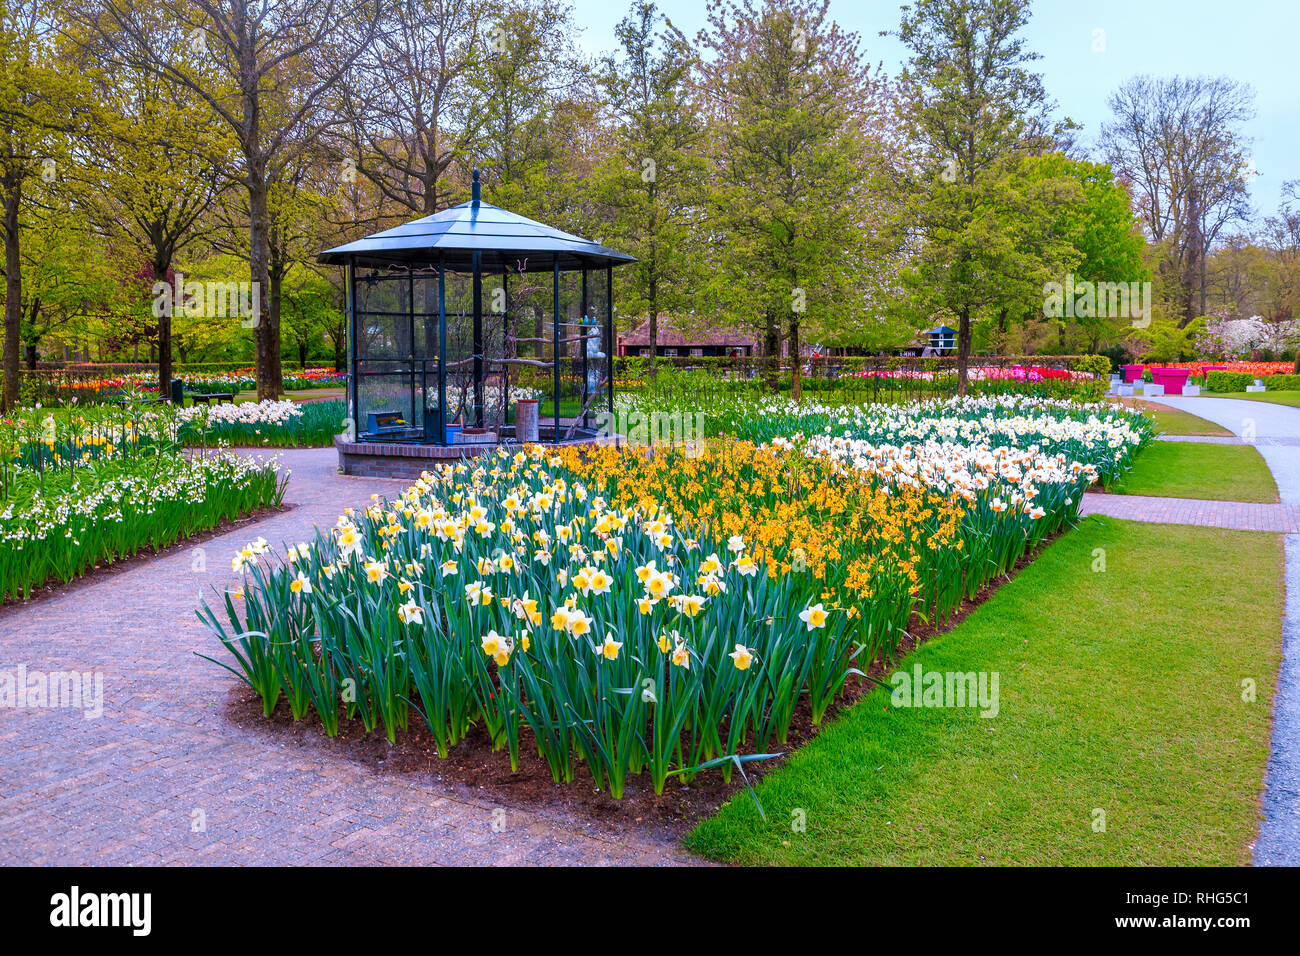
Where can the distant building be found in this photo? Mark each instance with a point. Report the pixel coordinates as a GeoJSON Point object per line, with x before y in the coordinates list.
{"type": "Point", "coordinates": [674, 343]}
{"type": "Point", "coordinates": [942, 339]}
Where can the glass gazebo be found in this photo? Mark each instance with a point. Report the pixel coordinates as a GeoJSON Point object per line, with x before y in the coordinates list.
{"type": "Point", "coordinates": [457, 318]}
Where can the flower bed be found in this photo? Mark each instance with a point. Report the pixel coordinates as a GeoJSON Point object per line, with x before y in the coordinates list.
{"type": "Point", "coordinates": [662, 614]}
{"type": "Point", "coordinates": [58, 524]}
{"type": "Point", "coordinates": [284, 424]}
{"type": "Point", "coordinates": [244, 380]}
{"type": "Point", "coordinates": [1099, 434]}
{"type": "Point", "coordinates": [1254, 369]}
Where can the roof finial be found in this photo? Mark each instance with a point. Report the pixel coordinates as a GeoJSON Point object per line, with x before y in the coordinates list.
{"type": "Point", "coordinates": [476, 186]}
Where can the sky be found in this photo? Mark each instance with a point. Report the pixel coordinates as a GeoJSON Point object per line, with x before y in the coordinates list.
{"type": "Point", "coordinates": [1255, 41]}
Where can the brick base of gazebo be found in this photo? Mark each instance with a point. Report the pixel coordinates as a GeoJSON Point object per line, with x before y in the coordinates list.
{"type": "Point", "coordinates": [400, 460]}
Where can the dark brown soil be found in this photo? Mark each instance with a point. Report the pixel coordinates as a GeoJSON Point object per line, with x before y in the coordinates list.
{"type": "Point", "coordinates": [55, 588]}
{"type": "Point", "coordinates": [472, 768]}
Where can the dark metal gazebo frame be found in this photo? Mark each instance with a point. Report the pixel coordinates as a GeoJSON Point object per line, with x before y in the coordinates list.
{"type": "Point", "coordinates": [474, 241]}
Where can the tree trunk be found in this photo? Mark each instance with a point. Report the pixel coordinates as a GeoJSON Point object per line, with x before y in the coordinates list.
{"type": "Point", "coordinates": [652, 297]}
{"type": "Point", "coordinates": [266, 331]}
{"type": "Point", "coordinates": [772, 351]}
{"type": "Point", "coordinates": [161, 264]}
{"type": "Point", "coordinates": [13, 193]}
{"type": "Point", "coordinates": [796, 359]}
{"type": "Point", "coordinates": [654, 336]}
{"type": "Point", "coordinates": [963, 350]}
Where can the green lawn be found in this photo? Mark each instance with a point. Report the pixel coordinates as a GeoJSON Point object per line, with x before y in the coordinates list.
{"type": "Point", "coordinates": [1277, 398]}
{"type": "Point", "coordinates": [1119, 691]}
{"type": "Point", "coordinates": [1171, 421]}
{"type": "Point", "coordinates": [306, 394]}
{"type": "Point", "coordinates": [1175, 469]}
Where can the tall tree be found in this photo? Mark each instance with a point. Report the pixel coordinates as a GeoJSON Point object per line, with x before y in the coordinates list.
{"type": "Point", "coordinates": [266, 70]}
{"type": "Point", "coordinates": [411, 110]}
{"type": "Point", "coordinates": [156, 160]}
{"type": "Point", "coordinates": [1179, 141]}
{"type": "Point", "coordinates": [977, 108]}
{"type": "Point", "coordinates": [652, 181]}
{"type": "Point", "coordinates": [37, 98]}
{"type": "Point", "coordinates": [528, 83]}
{"type": "Point", "coordinates": [1283, 236]}
{"type": "Point", "coordinates": [1101, 241]}
{"type": "Point", "coordinates": [788, 95]}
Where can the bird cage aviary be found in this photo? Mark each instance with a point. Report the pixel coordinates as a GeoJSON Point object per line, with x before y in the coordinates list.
{"type": "Point", "coordinates": [459, 322]}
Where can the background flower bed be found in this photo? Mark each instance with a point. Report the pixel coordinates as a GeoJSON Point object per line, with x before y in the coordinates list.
{"type": "Point", "coordinates": [79, 493]}
{"type": "Point", "coordinates": [630, 613]}
{"type": "Point", "coordinates": [285, 424]}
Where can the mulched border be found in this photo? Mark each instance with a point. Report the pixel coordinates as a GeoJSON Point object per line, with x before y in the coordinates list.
{"type": "Point", "coordinates": [472, 771]}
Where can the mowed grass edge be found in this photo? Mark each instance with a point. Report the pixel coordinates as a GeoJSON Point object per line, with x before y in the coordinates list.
{"type": "Point", "coordinates": [1121, 691]}
{"type": "Point", "coordinates": [1211, 472]}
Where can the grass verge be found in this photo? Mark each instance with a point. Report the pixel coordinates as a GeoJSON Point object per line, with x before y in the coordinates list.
{"type": "Point", "coordinates": [1174, 469]}
{"type": "Point", "coordinates": [1173, 421]}
{"type": "Point", "coordinates": [1277, 398]}
{"type": "Point", "coordinates": [1120, 691]}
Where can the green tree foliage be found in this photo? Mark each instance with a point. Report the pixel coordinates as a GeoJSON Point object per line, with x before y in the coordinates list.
{"type": "Point", "coordinates": [787, 93]}
{"type": "Point", "coordinates": [977, 109]}
{"type": "Point", "coordinates": [651, 181]}
{"type": "Point", "coordinates": [1093, 214]}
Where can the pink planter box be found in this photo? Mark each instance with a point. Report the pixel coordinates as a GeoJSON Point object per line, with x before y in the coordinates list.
{"type": "Point", "coordinates": [1173, 379]}
{"type": "Point", "coordinates": [1132, 373]}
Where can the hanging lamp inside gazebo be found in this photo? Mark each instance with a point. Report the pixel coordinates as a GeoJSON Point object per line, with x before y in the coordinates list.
{"type": "Point", "coordinates": [456, 317]}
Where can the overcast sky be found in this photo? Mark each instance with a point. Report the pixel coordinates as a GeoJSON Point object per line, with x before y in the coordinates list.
{"type": "Point", "coordinates": [1256, 41]}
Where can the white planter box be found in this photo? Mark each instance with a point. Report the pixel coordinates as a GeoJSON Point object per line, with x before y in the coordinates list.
{"type": "Point", "coordinates": [1125, 390]}
{"type": "Point", "coordinates": [1150, 389]}
{"type": "Point", "coordinates": [1192, 390]}
{"type": "Point", "coordinates": [1254, 388]}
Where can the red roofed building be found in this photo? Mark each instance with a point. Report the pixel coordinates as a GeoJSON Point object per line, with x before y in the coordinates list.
{"type": "Point", "coordinates": [701, 342]}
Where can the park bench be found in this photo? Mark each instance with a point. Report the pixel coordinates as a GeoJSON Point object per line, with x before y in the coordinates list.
{"type": "Point", "coordinates": [208, 397]}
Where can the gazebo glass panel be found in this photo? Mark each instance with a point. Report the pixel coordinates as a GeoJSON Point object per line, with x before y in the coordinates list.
{"type": "Point", "coordinates": [573, 333]}
{"type": "Point", "coordinates": [460, 348]}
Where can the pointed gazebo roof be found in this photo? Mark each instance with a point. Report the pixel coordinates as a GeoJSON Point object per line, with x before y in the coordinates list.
{"type": "Point", "coordinates": [454, 235]}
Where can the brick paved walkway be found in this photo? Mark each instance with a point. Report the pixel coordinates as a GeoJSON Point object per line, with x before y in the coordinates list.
{"type": "Point", "coordinates": [130, 786]}
{"type": "Point", "coordinates": [1213, 514]}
